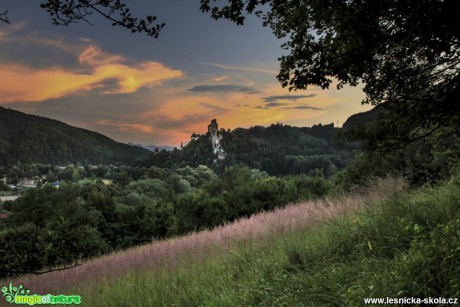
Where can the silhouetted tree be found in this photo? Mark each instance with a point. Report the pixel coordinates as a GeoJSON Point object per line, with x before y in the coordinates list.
{"type": "Point", "coordinates": [406, 53]}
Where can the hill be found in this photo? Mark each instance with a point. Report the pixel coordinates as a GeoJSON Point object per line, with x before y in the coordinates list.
{"type": "Point", "coordinates": [337, 253]}
{"type": "Point", "coordinates": [35, 139]}
{"type": "Point", "coordinates": [362, 118]}
{"type": "Point", "coordinates": [277, 149]}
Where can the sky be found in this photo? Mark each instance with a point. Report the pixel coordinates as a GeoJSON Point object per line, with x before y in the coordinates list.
{"type": "Point", "coordinates": [134, 88]}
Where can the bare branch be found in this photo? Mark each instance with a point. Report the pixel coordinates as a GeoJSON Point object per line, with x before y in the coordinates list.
{"type": "Point", "coordinates": [65, 12]}
{"type": "Point", "coordinates": [4, 16]}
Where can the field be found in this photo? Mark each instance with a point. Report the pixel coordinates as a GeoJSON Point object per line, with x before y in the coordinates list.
{"type": "Point", "coordinates": [376, 243]}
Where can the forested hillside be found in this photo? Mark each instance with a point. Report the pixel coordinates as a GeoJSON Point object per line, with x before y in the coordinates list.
{"type": "Point", "coordinates": [278, 150]}
{"type": "Point", "coordinates": [34, 139]}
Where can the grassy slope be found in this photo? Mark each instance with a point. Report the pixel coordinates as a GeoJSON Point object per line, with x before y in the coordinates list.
{"type": "Point", "coordinates": [405, 245]}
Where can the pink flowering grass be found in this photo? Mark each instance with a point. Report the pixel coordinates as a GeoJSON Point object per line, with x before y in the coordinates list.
{"type": "Point", "coordinates": [196, 247]}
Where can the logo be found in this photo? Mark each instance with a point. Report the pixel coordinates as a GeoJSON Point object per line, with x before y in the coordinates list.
{"type": "Point", "coordinates": [22, 296]}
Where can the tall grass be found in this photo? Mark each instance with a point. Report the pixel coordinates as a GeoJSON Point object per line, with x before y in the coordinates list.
{"type": "Point", "coordinates": [277, 258]}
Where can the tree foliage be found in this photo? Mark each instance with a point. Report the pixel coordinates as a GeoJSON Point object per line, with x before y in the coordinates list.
{"type": "Point", "coordinates": [406, 53]}
{"type": "Point", "coordinates": [278, 150]}
{"type": "Point", "coordinates": [48, 227]}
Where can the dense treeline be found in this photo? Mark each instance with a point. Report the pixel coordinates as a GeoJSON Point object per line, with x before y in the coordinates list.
{"type": "Point", "coordinates": [49, 227]}
{"type": "Point", "coordinates": [278, 150]}
{"type": "Point", "coordinates": [428, 159]}
{"type": "Point", "coordinates": [34, 139]}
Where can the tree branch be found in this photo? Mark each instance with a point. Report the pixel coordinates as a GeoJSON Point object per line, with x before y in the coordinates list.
{"type": "Point", "coordinates": [4, 16]}
{"type": "Point", "coordinates": [65, 12]}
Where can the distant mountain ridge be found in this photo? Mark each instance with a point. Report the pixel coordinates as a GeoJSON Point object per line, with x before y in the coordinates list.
{"type": "Point", "coordinates": [34, 139]}
{"type": "Point", "coordinates": [153, 147]}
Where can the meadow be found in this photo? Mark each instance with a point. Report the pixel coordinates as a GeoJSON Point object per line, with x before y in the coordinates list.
{"type": "Point", "coordinates": [375, 243]}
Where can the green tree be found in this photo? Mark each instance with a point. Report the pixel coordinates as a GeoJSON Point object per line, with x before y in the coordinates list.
{"type": "Point", "coordinates": [69, 240]}
{"type": "Point", "coordinates": [158, 220]}
{"type": "Point", "coordinates": [98, 197]}
{"type": "Point", "coordinates": [13, 175]}
{"type": "Point", "coordinates": [66, 229]}
{"type": "Point", "coordinates": [50, 177]}
{"type": "Point", "coordinates": [20, 249]}
{"type": "Point", "coordinates": [199, 210]}
{"type": "Point", "coordinates": [125, 228]}
{"type": "Point", "coordinates": [76, 175]}
{"type": "Point", "coordinates": [122, 179]}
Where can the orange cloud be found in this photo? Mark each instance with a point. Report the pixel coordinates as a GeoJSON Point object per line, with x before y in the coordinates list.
{"type": "Point", "coordinates": [94, 56]}
{"type": "Point", "coordinates": [217, 79]}
{"type": "Point", "coordinates": [21, 83]}
{"type": "Point", "coordinates": [194, 113]}
{"type": "Point", "coordinates": [121, 126]}
{"type": "Point", "coordinates": [178, 115]}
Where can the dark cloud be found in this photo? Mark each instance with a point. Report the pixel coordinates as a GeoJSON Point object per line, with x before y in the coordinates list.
{"type": "Point", "coordinates": [84, 110]}
{"type": "Point", "coordinates": [213, 107]}
{"type": "Point", "coordinates": [286, 97]}
{"type": "Point", "coordinates": [279, 104]}
{"type": "Point", "coordinates": [274, 104]}
{"type": "Point", "coordinates": [304, 107]}
{"type": "Point", "coordinates": [38, 52]}
{"type": "Point", "coordinates": [226, 88]}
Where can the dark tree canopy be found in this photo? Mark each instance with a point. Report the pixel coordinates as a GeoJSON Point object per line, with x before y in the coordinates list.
{"type": "Point", "coordinates": [406, 53]}
{"type": "Point", "coordinates": [378, 42]}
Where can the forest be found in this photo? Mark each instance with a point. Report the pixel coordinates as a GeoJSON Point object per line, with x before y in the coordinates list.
{"type": "Point", "coordinates": [397, 165]}
{"type": "Point", "coordinates": [97, 209]}
{"type": "Point", "coordinates": [35, 139]}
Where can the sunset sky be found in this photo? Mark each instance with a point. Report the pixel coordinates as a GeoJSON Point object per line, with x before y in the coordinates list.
{"type": "Point", "coordinates": [134, 88]}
